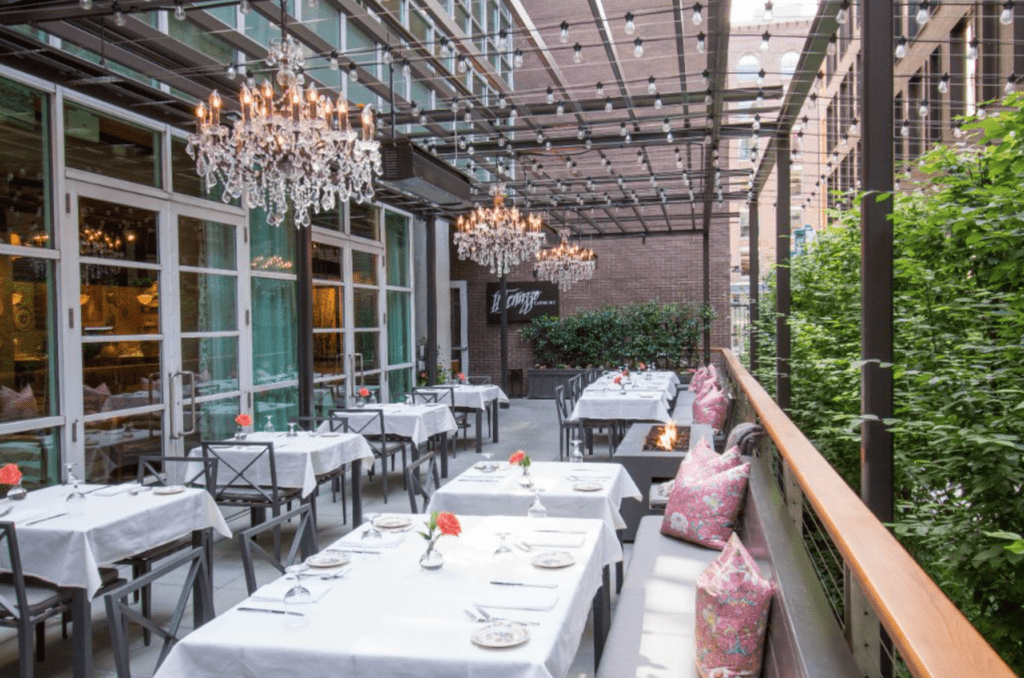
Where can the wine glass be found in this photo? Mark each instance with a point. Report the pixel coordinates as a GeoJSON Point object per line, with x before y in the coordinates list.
{"type": "Point", "coordinates": [488, 464]}
{"type": "Point", "coordinates": [291, 431]}
{"type": "Point", "coordinates": [269, 428]}
{"type": "Point", "coordinates": [298, 596]}
{"type": "Point", "coordinates": [372, 535]}
{"type": "Point", "coordinates": [537, 510]}
{"type": "Point", "coordinates": [576, 453]}
{"type": "Point", "coordinates": [504, 555]}
{"type": "Point", "coordinates": [76, 492]}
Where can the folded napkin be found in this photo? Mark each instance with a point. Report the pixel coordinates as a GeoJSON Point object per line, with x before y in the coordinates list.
{"type": "Point", "coordinates": [22, 518]}
{"type": "Point", "coordinates": [115, 490]}
{"type": "Point", "coordinates": [517, 598]}
{"type": "Point", "coordinates": [554, 540]}
{"type": "Point", "coordinates": [275, 591]}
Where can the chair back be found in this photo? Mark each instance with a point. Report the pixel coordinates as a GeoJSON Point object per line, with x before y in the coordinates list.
{"type": "Point", "coordinates": [303, 543]}
{"type": "Point", "coordinates": [243, 472]}
{"type": "Point", "coordinates": [368, 422]}
{"type": "Point", "coordinates": [575, 388]}
{"type": "Point", "coordinates": [560, 405]}
{"type": "Point", "coordinates": [421, 486]}
{"type": "Point", "coordinates": [307, 423]}
{"type": "Point", "coordinates": [9, 543]}
{"type": "Point", "coordinates": [444, 395]}
{"type": "Point", "coordinates": [196, 586]}
{"type": "Point", "coordinates": [194, 471]}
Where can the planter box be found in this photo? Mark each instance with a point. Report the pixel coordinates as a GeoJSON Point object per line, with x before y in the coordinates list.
{"type": "Point", "coordinates": [541, 383]}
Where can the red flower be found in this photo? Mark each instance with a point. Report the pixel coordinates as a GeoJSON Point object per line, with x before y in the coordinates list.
{"type": "Point", "coordinates": [10, 475]}
{"type": "Point", "coordinates": [461, 377]}
{"type": "Point", "coordinates": [243, 420]}
{"type": "Point", "coordinates": [617, 380]}
{"type": "Point", "coordinates": [449, 524]}
{"type": "Point", "coordinates": [641, 366]}
{"type": "Point", "coordinates": [517, 457]}
{"type": "Point", "coordinates": [625, 373]}
{"type": "Point", "coordinates": [364, 392]}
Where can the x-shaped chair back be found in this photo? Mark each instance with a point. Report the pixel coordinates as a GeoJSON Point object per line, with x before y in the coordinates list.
{"type": "Point", "coordinates": [244, 474]}
{"type": "Point", "coordinates": [303, 543]}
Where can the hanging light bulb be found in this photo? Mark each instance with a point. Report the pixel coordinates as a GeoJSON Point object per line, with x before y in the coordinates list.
{"type": "Point", "coordinates": [467, 117]}
{"type": "Point", "coordinates": [462, 64]}
{"type": "Point", "coordinates": [658, 102]}
{"type": "Point", "coordinates": [795, 153]}
{"type": "Point", "coordinates": [517, 58]}
{"type": "Point", "coordinates": [563, 32]}
{"type": "Point", "coordinates": [757, 122]}
{"type": "Point", "coordinates": [972, 49]}
{"type": "Point", "coordinates": [835, 157]}
{"type": "Point", "coordinates": [622, 129]}
{"type": "Point", "coordinates": [455, 105]}
{"type": "Point", "coordinates": [760, 78]}
{"type": "Point", "coordinates": [638, 47]}
{"type": "Point", "coordinates": [608, 105]}
{"type": "Point", "coordinates": [665, 126]}
{"type": "Point", "coordinates": [560, 109]}
{"type": "Point", "coordinates": [179, 11]}
{"type": "Point", "coordinates": [503, 39]}
{"type": "Point", "coordinates": [854, 128]}
{"type": "Point", "coordinates": [581, 132]}
{"type": "Point", "coordinates": [958, 130]}
{"type": "Point", "coordinates": [332, 62]}
{"type": "Point", "coordinates": [651, 86]}
{"type": "Point", "coordinates": [423, 118]}
{"type": "Point", "coordinates": [905, 129]}
{"type": "Point", "coordinates": [708, 98]}
{"type": "Point", "coordinates": [922, 109]}
{"type": "Point", "coordinates": [547, 145]}
{"type": "Point", "coordinates": [600, 89]}
{"type": "Point", "coordinates": [768, 13]}
{"type": "Point", "coordinates": [85, 4]}
{"type": "Point", "coordinates": [119, 16]}
{"type": "Point", "coordinates": [244, 7]}
{"type": "Point", "coordinates": [765, 37]}
{"type": "Point", "coordinates": [588, 144]}
{"type": "Point", "coordinates": [445, 46]}
{"type": "Point", "coordinates": [701, 43]}
{"type": "Point", "coordinates": [502, 101]}
{"type": "Point", "coordinates": [629, 138]}
{"type": "Point", "coordinates": [540, 136]}
{"type": "Point", "coordinates": [577, 53]}
{"type": "Point", "coordinates": [1011, 85]}
{"type": "Point", "coordinates": [944, 84]}
{"type": "Point", "coordinates": [639, 157]}
{"type": "Point", "coordinates": [844, 12]}
{"type": "Point", "coordinates": [669, 138]}
{"type": "Point", "coordinates": [812, 101]}
{"type": "Point", "coordinates": [982, 112]}
{"type": "Point", "coordinates": [831, 48]}
{"type": "Point", "coordinates": [512, 115]}
{"type": "Point", "coordinates": [386, 54]}
{"type": "Point", "coordinates": [901, 47]}
{"type": "Point", "coordinates": [630, 24]}
{"type": "Point", "coordinates": [232, 71]}
{"type": "Point", "coordinates": [697, 18]}
{"type": "Point", "coordinates": [550, 96]}
{"type": "Point", "coordinates": [759, 100]}
{"type": "Point", "coordinates": [1006, 17]}
{"type": "Point", "coordinates": [922, 13]}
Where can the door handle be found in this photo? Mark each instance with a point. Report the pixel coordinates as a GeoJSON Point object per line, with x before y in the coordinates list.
{"type": "Point", "coordinates": [192, 404]}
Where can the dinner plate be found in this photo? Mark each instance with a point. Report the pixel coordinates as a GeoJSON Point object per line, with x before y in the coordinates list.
{"type": "Point", "coordinates": [169, 489]}
{"type": "Point", "coordinates": [553, 559]}
{"type": "Point", "coordinates": [392, 522]}
{"type": "Point", "coordinates": [485, 466]}
{"type": "Point", "coordinates": [328, 559]}
{"type": "Point", "coordinates": [587, 486]}
{"type": "Point", "coordinates": [500, 635]}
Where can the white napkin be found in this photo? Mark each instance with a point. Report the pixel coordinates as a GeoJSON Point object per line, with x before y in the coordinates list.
{"type": "Point", "coordinates": [390, 540]}
{"type": "Point", "coordinates": [274, 592]}
{"type": "Point", "coordinates": [115, 490]}
{"type": "Point", "coordinates": [554, 539]}
{"type": "Point", "coordinates": [519, 598]}
{"type": "Point", "coordinates": [22, 518]}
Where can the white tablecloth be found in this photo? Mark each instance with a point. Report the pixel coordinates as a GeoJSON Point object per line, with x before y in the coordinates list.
{"type": "Point", "coordinates": [415, 422]}
{"type": "Point", "coordinates": [634, 405]}
{"type": "Point", "coordinates": [298, 460]}
{"type": "Point", "coordinates": [658, 381]}
{"type": "Point", "coordinates": [390, 619]}
{"type": "Point", "coordinates": [67, 550]}
{"type": "Point", "coordinates": [471, 396]}
{"type": "Point", "coordinates": [499, 493]}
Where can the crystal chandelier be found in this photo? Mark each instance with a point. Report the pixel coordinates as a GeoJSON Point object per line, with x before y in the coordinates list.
{"type": "Point", "coordinates": [498, 237]}
{"type": "Point", "coordinates": [296, 146]}
{"type": "Point", "coordinates": [566, 264]}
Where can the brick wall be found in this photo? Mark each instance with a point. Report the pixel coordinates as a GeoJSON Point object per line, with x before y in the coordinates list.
{"type": "Point", "coordinates": [667, 268]}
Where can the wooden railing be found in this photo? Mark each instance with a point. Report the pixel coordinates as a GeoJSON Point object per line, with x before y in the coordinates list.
{"type": "Point", "coordinates": [929, 633]}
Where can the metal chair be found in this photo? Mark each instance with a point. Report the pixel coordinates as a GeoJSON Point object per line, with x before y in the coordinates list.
{"type": "Point", "coordinates": [445, 395]}
{"type": "Point", "coordinates": [303, 543]}
{"type": "Point", "coordinates": [196, 586]}
{"type": "Point", "coordinates": [565, 427]}
{"type": "Point", "coordinates": [372, 429]}
{"type": "Point", "coordinates": [417, 485]}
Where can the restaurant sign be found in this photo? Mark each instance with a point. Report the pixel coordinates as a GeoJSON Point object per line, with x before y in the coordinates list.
{"type": "Point", "coordinates": [526, 301]}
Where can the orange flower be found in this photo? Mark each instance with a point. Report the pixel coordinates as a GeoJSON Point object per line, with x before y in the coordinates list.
{"type": "Point", "coordinates": [517, 457]}
{"type": "Point", "coordinates": [243, 420]}
{"type": "Point", "coordinates": [617, 380]}
{"type": "Point", "coordinates": [460, 376]}
{"type": "Point", "coordinates": [449, 524]}
{"type": "Point", "coordinates": [364, 392]}
{"type": "Point", "coordinates": [641, 366]}
{"type": "Point", "coordinates": [10, 475]}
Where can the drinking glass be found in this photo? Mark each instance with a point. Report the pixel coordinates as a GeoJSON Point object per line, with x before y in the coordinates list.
{"type": "Point", "coordinates": [371, 535]}
{"type": "Point", "coordinates": [269, 428]}
{"type": "Point", "coordinates": [488, 464]}
{"type": "Point", "coordinates": [537, 510]}
{"type": "Point", "coordinates": [291, 431]}
{"type": "Point", "coordinates": [76, 492]}
{"type": "Point", "coordinates": [298, 597]}
{"type": "Point", "coordinates": [504, 554]}
{"type": "Point", "coordinates": [576, 453]}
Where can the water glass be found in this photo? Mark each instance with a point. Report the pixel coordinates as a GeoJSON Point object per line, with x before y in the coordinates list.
{"type": "Point", "coordinates": [269, 428]}
{"type": "Point", "coordinates": [291, 431]}
{"type": "Point", "coordinates": [576, 453]}
{"type": "Point", "coordinates": [504, 555]}
{"type": "Point", "coordinates": [298, 598]}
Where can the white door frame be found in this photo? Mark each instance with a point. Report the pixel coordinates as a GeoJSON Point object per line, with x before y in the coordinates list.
{"type": "Point", "coordinates": [462, 287]}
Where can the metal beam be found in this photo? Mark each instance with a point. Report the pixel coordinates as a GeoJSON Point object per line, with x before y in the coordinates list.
{"type": "Point", "coordinates": [304, 317]}
{"type": "Point", "coordinates": [782, 292]}
{"type": "Point", "coordinates": [431, 347]}
{"type": "Point", "coordinates": [753, 238]}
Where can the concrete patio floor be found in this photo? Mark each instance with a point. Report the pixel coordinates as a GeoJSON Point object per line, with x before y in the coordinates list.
{"type": "Point", "coordinates": [531, 425]}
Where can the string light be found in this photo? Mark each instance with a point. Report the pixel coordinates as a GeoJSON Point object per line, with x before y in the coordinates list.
{"type": "Point", "coordinates": [697, 18]}
{"type": "Point", "coordinates": [844, 12]}
{"type": "Point", "coordinates": [85, 4]}
{"type": "Point", "coordinates": [638, 48]}
{"type": "Point", "coordinates": [658, 103]}
{"type": "Point", "coordinates": [854, 128]}
{"type": "Point", "coordinates": [563, 32]}
{"type": "Point", "coordinates": [652, 87]}
{"type": "Point", "coordinates": [982, 112]}
{"type": "Point", "coordinates": [922, 109]}
{"type": "Point", "coordinates": [119, 19]}
{"type": "Point", "coordinates": [630, 24]}
{"type": "Point", "coordinates": [577, 53]}
{"type": "Point", "coordinates": [608, 105]}
{"type": "Point", "coordinates": [179, 11]}
{"type": "Point", "coordinates": [461, 64]}
{"type": "Point", "coordinates": [905, 129]}
{"type": "Point", "coordinates": [517, 58]}
{"type": "Point", "coordinates": [708, 98]}
{"type": "Point", "coordinates": [922, 13]}
{"type": "Point", "coordinates": [759, 100]}
{"type": "Point", "coordinates": [972, 50]}
{"type": "Point", "coordinates": [901, 47]}
{"type": "Point", "coordinates": [550, 95]}
{"type": "Point", "coordinates": [232, 71]}
{"type": "Point", "coordinates": [944, 84]}
{"type": "Point", "coordinates": [1011, 85]}
{"type": "Point", "coordinates": [765, 37]}
{"type": "Point", "coordinates": [560, 109]}
{"type": "Point", "coordinates": [706, 77]}
{"type": "Point", "coordinates": [832, 45]}
{"type": "Point", "coordinates": [768, 13]}
{"type": "Point", "coordinates": [1006, 17]}
{"type": "Point", "coordinates": [701, 45]}
{"type": "Point", "coordinates": [600, 89]}
{"type": "Point", "coordinates": [760, 78]}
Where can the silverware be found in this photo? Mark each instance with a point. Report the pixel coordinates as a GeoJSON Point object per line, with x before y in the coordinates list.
{"type": "Point", "coordinates": [336, 575]}
{"type": "Point", "coordinates": [489, 617]}
{"type": "Point", "coordinates": [348, 550]}
{"type": "Point", "coordinates": [522, 583]}
{"type": "Point", "coordinates": [6, 511]}
{"type": "Point", "coordinates": [96, 489]}
{"type": "Point", "coordinates": [263, 609]}
{"type": "Point", "coordinates": [44, 519]}
{"type": "Point", "coordinates": [523, 546]}
{"type": "Point", "coordinates": [542, 529]}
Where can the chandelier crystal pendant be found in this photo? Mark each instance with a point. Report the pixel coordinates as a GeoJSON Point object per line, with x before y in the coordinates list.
{"type": "Point", "coordinates": [565, 264]}
{"type": "Point", "coordinates": [498, 237]}
{"type": "Point", "coordinates": [295, 146]}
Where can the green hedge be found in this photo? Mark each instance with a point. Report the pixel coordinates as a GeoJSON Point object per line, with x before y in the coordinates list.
{"type": "Point", "coordinates": [616, 335]}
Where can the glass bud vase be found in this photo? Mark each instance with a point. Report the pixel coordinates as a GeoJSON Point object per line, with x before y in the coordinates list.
{"type": "Point", "coordinates": [240, 433]}
{"type": "Point", "coordinates": [526, 480]}
{"type": "Point", "coordinates": [17, 492]}
{"type": "Point", "coordinates": [432, 558]}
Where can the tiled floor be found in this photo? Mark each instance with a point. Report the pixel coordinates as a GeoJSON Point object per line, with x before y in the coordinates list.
{"type": "Point", "coordinates": [528, 424]}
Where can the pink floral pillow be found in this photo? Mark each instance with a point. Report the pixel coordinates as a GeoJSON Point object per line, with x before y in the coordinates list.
{"type": "Point", "coordinates": [698, 379]}
{"type": "Point", "coordinates": [703, 462]}
{"type": "Point", "coordinates": [704, 510]}
{"type": "Point", "coordinates": [733, 601]}
{"type": "Point", "coordinates": [711, 409]}
{"type": "Point", "coordinates": [707, 387]}
{"type": "Point", "coordinates": [18, 404]}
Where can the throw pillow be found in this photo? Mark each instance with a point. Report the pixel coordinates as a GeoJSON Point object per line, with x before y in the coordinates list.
{"type": "Point", "coordinates": [733, 601]}
{"type": "Point", "coordinates": [711, 410]}
{"type": "Point", "coordinates": [94, 398]}
{"type": "Point", "coordinates": [704, 510]}
{"type": "Point", "coordinates": [703, 461]}
{"type": "Point", "coordinates": [18, 404]}
{"type": "Point", "coordinates": [698, 378]}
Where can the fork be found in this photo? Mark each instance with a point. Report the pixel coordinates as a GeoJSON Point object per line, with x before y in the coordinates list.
{"type": "Point", "coordinates": [488, 617]}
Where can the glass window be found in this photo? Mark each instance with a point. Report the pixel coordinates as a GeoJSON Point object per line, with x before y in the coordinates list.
{"type": "Point", "coordinates": [787, 65]}
{"type": "Point", "coordinates": [96, 143]}
{"type": "Point", "coordinates": [208, 303]}
{"type": "Point", "coordinates": [747, 68]}
{"type": "Point", "coordinates": [420, 27]}
{"type": "Point", "coordinates": [397, 228]}
{"type": "Point", "coordinates": [278, 406]}
{"type": "Point", "coordinates": [366, 344]}
{"type": "Point", "coordinates": [121, 375]}
{"type": "Point", "coordinates": [24, 166]}
{"type": "Point", "coordinates": [36, 453]}
{"type": "Point", "coordinates": [214, 361]}
{"type": "Point", "coordinates": [364, 268]}
{"type": "Point", "coordinates": [328, 354]}
{"type": "Point", "coordinates": [206, 244]}
{"type": "Point", "coordinates": [399, 337]}
{"type": "Point", "coordinates": [273, 247]}
{"type": "Point", "coordinates": [227, 13]}
{"type": "Point", "coordinates": [26, 339]}
{"type": "Point", "coordinates": [274, 330]}
{"type": "Point", "coordinates": [333, 219]}
{"type": "Point", "coordinates": [363, 220]}
{"type": "Point", "coordinates": [202, 41]}
{"type": "Point", "coordinates": [119, 300]}
{"type": "Point", "coordinates": [399, 383]}
{"type": "Point", "coordinates": [363, 50]}
{"type": "Point", "coordinates": [326, 262]}
{"type": "Point", "coordinates": [328, 307]}
{"type": "Point", "coordinates": [113, 446]}
{"type": "Point", "coordinates": [365, 307]}
{"type": "Point", "coordinates": [112, 231]}
{"type": "Point", "coordinates": [215, 420]}
{"type": "Point", "coordinates": [186, 181]}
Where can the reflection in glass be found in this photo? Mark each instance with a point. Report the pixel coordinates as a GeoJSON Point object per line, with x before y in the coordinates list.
{"type": "Point", "coordinates": [112, 231]}
{"type": "Point", "coordinates": [333, 219]}
{"type": "Point", "coordinates": [365, 307]}
{"type": "Point", "coordinates": [280, 405]}
{"type": "Point", "coordinates": [363, 219]}
{"type": "Point", "coordinates": [26, 339]}
{"type": "Point", "coordinates": [327, 306]}
{"type": "Point", "coordinates": [120, 375]}
{"type": "Point", "coordinates": [366, 343]}
{"type": "Point", "coordinates": [118, 300]}
{"type": "Point", "coordinates": [327, 396]}
{"type": "Point", "coordinates": [113, 446]}
{"type": "Point", "coordinates": [397, 249]}
{"type": "Point", "coordinates": [328, 353]}
{"type": "Point", "coordinates": [399, 331]}
{"type": "Point", "coordinates": [364, 268]}
{"type": "Point", "coordinates": [95, 142]}
{"type": "Point", "coordinates": [24, 166]}
{"type": "Point", "coordinates": [399, 383]}
{"type": "Point", "coordinates": [274, 330]}
{"type": "Point", "coordinates": [214, 361]}
{"type": "Point", "coordinates": [206, 244]}
{"type": "Point", "coordinates": [326, 262]}
{"type": "Point", "coordinates": [273, 247]}
{"type": "Point", "coordinates": [36, 453]}
{"type": "Point", "coordinates": [215, 420]}
{"type": "Point", "coordinates": [207, 303]}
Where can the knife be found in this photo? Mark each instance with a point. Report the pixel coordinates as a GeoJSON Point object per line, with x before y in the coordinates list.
{"type": "Point", "coordinates": [263, 609]}
{"type": "Point", "coordinates": [40, 520]}
{"type": "Point", "coordinates": [6, 511]}
{"type": "Point", "coordinates": [520, 583]}
{"type": "Point", "coordinates": [541, 529]}
{"type": "Point", "coordinates": [348, 550]}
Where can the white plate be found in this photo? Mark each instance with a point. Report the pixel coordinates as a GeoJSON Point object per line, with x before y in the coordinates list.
{"type": "Point", "coordinates": [587, 486]}
{"type": "Point", "coordinates": [169, 489]}
{"type": "Point", "coordinates": [485, 466]}
{"type": "Point", "coordinates": [553, 559]}
{"type": "Point", "coordinates": [500, 634]}
{"type": "Point", "coordinates": [392, 522]}
{"type": "Point", "coordinates": [328, 559]}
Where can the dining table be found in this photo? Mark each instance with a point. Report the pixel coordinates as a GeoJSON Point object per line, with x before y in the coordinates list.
{"type": "Point", "coordinates": [65, 542]}
{"type": "Point", "coordinates": [476, 398]}
{"type": "Point", "coordinates": [382, 615]}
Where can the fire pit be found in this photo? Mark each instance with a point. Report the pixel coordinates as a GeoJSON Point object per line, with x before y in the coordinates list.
{"type": "Point", "coordinates": [667, 438]}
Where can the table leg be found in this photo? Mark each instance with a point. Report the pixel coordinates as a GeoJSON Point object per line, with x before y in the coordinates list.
{"type": "Point", "coordinates": [479, 431]}
{"type": "Point", "coordinates": [357, 492]}
{"type": "Point", "coordinates": [81, 634]}
{"type": "Point", "coordinates": [444, 455]}
{"type": "Point", "coordinates": [602, 615]}
{"type": "Point", "coordinates": [202, 538]}
{"type": "Point", "coordinates": [619, 565]}
{"type": "Point", "coordinates": [494, 425]}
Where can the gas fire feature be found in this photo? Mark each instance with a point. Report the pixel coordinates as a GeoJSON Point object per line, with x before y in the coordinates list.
{"type": "Point", "coordinates": [667, 438]}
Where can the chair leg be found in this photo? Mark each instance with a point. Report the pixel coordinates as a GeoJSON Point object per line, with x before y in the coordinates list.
{"type": "Point", "coordinates": [384, 478]}
{"type": "Point", "coordinates": [147, 603]}
{"type": "Point", "coordinates": [40, 641]}
{"type": "Point", "coordinates": [25, 667]}
{"type": "Point", "coordinates": [344, 508]}
{"type": "Point", "coordinates": [136, 573]}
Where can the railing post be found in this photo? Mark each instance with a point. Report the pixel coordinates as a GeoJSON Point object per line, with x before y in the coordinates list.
{"type": "Point", "coordinates": [794, 497]}
{"type": "Point", "coordinates": [754, 236]}
{"type": "Point", "coordinates": [862, 628]}
{"type": "Point", "coordinates": [782, 289]}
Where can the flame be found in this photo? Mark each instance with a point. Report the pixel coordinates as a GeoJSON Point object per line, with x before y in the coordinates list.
{"type": "Point", "coordinates": [667, 439]}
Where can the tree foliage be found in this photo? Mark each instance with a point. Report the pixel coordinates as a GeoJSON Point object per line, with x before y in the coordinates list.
{"type": "Point", "coordinates": [958, 368]}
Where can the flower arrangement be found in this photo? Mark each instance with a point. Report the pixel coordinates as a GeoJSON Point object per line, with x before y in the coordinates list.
{"type": "Point", "coordinates": [440, 524]}
{"type": "Point", "coordinates": [243, 420]}
{"type": "Point", "coordinates": [641, 366]}
{"type": "Point", "coordinates": [617, 380]}
{"type": "Point", "coordinates": [461, 378]}
{"type": "Point", "coordinates": [364, 392]}
{"type": "Point", "coordinates": [10, 475]}
{"type": "Point", "coordinates": [625, 372]}
{"type": "Point", "coordinates": [519, 458]}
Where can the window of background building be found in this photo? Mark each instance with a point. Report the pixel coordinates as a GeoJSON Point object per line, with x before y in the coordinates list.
{"type": "Point", "coordinates": [747, 68]}
{"type": "Point", "coordinates": [787, 65]}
